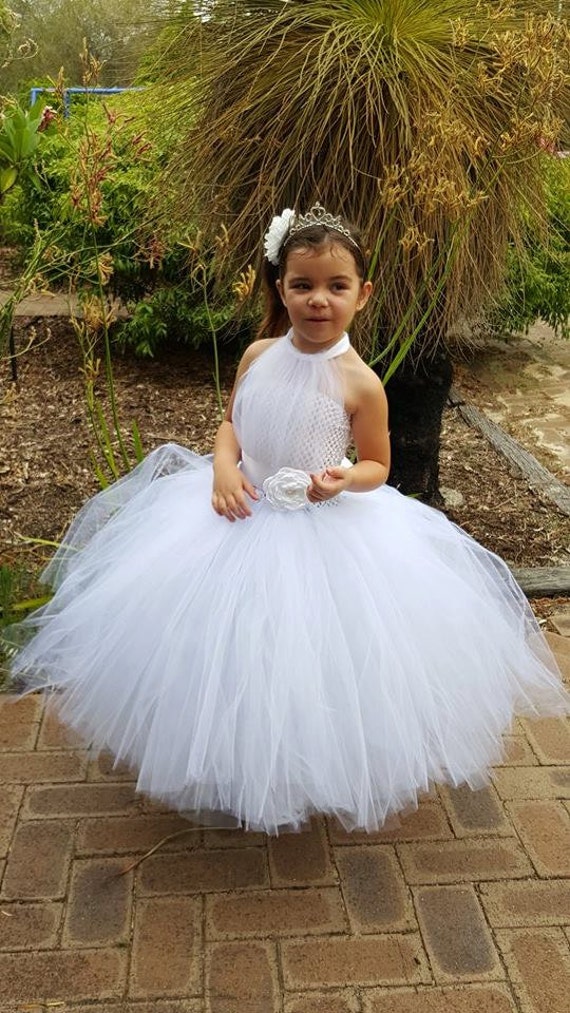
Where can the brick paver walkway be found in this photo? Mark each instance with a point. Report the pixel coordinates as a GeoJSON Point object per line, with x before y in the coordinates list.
{"type": "Point", "coordinates": [463, 908]}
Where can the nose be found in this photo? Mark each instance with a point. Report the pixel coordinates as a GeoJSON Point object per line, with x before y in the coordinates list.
{"type": "Point", "coordinates": [318, 298]}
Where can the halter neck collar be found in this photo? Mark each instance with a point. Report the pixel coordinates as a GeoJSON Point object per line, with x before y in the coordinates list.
{"type": "Point", "coordinates": [339, 348]}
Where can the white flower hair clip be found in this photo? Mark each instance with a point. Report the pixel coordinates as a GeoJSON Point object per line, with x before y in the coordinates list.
{"type": "Point", "coordinates": [275, 235]}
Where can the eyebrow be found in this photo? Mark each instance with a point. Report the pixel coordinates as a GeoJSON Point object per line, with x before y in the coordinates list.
{"type": "Point", "coordinates": [337, 277]}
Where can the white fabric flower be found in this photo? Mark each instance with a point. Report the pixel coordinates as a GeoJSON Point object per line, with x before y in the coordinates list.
{"type": "Point", "coordinates": [287, 489]}
{"type": "Point", "coordinates": [276, 233]}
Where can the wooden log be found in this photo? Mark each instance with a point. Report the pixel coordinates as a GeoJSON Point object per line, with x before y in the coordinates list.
{"type": "Point", "coordinates": [543, 581]}
{"type": "Point", "coordinates": [542, 481]}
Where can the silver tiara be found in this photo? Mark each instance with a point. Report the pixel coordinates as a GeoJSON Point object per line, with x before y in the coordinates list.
{"type": "Point", "coordinates": [318, 216]}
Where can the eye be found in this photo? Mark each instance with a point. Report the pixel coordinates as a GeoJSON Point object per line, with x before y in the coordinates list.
{"type": "Point", "coordinates": [340, 286]}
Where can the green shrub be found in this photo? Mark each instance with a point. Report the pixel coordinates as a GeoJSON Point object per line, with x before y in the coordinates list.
{"type": "Point", "coordinates": [120, 155]}
{"type": "Point", "coordinates": [538, 279]}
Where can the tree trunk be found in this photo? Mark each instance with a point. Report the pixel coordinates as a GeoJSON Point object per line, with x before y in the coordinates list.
{"type": "Point", "coordinates": [417, 394]}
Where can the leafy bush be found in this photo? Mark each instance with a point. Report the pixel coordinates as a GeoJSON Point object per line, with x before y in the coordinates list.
{"type": "Point", "coordinates": [97, 177]}
{"type": "Point", "coordinates": [538, 279]}
{"type": "Point", "coordinates": [180, 314]}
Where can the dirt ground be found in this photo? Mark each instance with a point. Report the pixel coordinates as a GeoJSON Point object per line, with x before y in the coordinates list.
{"type": "Point", "coordinates": [46, 467]}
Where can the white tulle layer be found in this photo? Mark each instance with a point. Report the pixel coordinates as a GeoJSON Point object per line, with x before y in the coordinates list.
{"type": "Point", "coordinates": [335, 659]}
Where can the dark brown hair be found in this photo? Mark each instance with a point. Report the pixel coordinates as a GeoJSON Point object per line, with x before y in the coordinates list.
{"type": "Point", "coordinates": [276, 321]}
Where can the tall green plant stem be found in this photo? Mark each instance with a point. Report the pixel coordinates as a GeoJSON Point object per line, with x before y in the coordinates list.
{"type": "Point", "coordinates": [211, 325]}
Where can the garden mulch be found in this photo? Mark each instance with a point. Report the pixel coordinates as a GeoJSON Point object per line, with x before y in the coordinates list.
{"type": "Point", "coordinates": [463, 906]}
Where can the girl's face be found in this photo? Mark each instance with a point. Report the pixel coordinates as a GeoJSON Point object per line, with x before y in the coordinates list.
{"type": "Point", "coordinates": [322, 292]}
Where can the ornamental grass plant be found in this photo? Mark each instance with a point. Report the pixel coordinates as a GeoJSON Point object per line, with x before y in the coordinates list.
{"type": "Point", "coordinates": [425, 121]}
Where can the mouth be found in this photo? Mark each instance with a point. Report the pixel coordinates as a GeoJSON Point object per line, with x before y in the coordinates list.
{"type": "Point", "coordinates": [318, 320]}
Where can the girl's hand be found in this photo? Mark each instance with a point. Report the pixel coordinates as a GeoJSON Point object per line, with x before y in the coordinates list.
{"type": "Point", "coordinates": [229, 494]}
{"type": "Point", "coordinates": [330, 483]}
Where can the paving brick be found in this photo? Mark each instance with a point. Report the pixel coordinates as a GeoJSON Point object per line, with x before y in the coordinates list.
{"type": "Point", "coordinates": [456, 935]}
{"type": "Point", "coordinates": [538, 963]}
{"type": "Point", "coordinates": [54, 735]}
{"type": "Point", "coordinates": [19, 721]}
{"type": "Point", "coordinates": [155, 1006]}
{"type": "Point", "coordinates": [475, 813]}
{"type": "Point", "coordinates": [532, 782]}
{"type": "Point", "coordinates": [376, 896]}
{"type": "Point", "coordinates": [527, 902]}
{"type": "Point", "coordinates": [427, 822]}
{"type": "Point", "coordinates": [344, 1001]}
{"type": "Point", "coordinates": [39, 860]}
{"type": "Point", "coordinates": [79, 800]}
{"type": "Point", "coordinates": [560, 646]}
{"type": "Point", "coordinates": [242, 978]}
{"type": "Point", "coordinates": [550, 739]}
{"type": "Point", "coordinates": [518, 752]}
{"type": "Point", "coordinates": [99, 904]}
{"type": "Point", "coordinates": [462, 999]}
{"type": "Point", "coordinates": [29, 926]}
{"type": "Point", "coordinates": [544, 828]}
{"type": "Point", "coordinates": [10, 801]}
{"type": "Point", "coordinates": [301, 859]}
{"type": "Point", "coordinates": [131, 834]}
{"type": "Point", "coordinates": [464, 861]}
{"type": "Point", "coordinates": [233, 838]}
{"type": "Point", "coordinates": [371, 960]}
{"type": "Point", "coordinates": [33, 767]}
{"type": "Point", "coordinates": [166, 948]}
{"type": "Point", "coordinates": [562, 657]}
{"type": "Point", "coordinates": [103, 768]}
{"type": "Point", "coordinates": [561, 622]}
{"type": "Point", "coordinates": [276, 913]}
{"type": "Point", "coordinates": [204, 871]}
{"type": "Point", "coordinates": [62, 975]}
{"type": "Point", "coordinates": [152, 807]}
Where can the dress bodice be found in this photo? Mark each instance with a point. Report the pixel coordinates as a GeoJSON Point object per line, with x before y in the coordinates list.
{"type": "Point", "coordinates": [289, 410]}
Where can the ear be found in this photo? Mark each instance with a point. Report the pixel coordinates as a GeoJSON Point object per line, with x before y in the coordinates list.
{"type": "Point", "coordinates": [279, 287]}
{"type": "Point", "coordinates": [365, 293]}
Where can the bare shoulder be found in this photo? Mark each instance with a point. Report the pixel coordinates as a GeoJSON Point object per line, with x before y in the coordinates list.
{"type": "Point", "coordinates": [363, 386]}
{"type": "Point", "coordinates": [256, 349]}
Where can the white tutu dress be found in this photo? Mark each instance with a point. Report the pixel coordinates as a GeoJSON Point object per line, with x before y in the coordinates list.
{"type": "Point", "coordinates": [328, 659]}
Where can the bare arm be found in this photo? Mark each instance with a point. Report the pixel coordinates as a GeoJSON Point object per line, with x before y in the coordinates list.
{"type": "Point", "coordinates": [231, 487]}
{"type": "Point", "coordinates": [370, 433]}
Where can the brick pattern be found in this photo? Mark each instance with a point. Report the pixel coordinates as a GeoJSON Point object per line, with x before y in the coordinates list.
{"type": "Point", "coordinates": [539, 966]}
{"type": "Point", "coordinates": [460, 906]}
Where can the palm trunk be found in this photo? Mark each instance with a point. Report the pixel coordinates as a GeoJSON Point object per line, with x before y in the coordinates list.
{"type": "Point", "coordinates": [417, 394]}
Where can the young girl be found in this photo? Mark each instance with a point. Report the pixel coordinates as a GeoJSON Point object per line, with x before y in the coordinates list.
{"type": "Point", "coordinates": [316, 642]}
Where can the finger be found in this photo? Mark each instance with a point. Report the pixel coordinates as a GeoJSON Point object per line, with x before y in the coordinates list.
{"type": "Point", "coordinates": [250, 489]}
{"type": "Point", "coordinates": [217, 505]}
{"type": "Point", "coordinates": [235, 507]}
{"type": "Point", "coordinates": [243, 505]}
{"type": "Point", "coordinates": [222, 509]}
{"type": "Point", "coordinates": [317, 481]}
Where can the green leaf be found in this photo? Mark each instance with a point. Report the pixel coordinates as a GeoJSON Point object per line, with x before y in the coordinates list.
{"type": "Point", "coordinates": [8, 178]}
{"type": "Point", "coordinates": [137, 442]}
{"type": "Point", "coordinates": [101, 478]}
{"type": "Point", "coordinates": [30, 603]}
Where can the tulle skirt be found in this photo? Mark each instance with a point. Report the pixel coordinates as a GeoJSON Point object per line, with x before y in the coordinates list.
{"type": "Point", "coordinates": [335, 659]}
